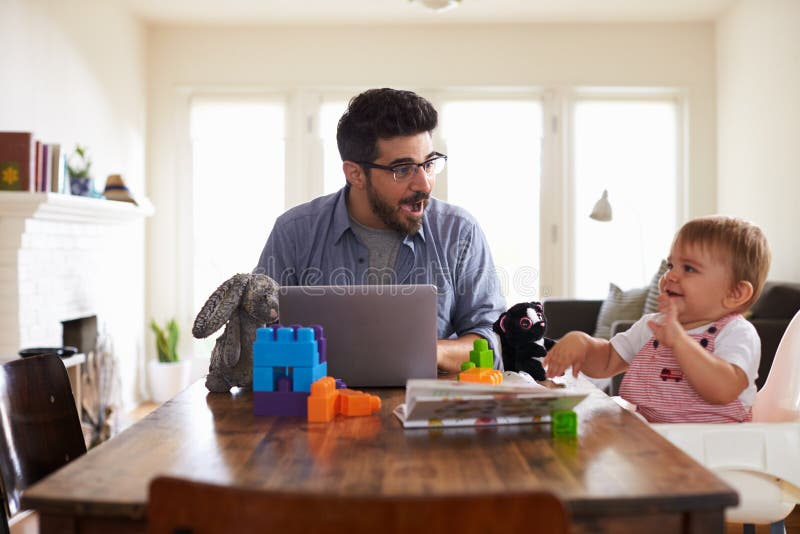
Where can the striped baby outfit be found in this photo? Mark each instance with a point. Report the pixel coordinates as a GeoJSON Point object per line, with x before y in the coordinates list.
{"type": "Point", "coordinates": [655, 383]}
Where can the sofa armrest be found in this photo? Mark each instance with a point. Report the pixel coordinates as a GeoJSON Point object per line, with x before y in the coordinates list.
{"type": "Point", "coordinates": [565, 315]}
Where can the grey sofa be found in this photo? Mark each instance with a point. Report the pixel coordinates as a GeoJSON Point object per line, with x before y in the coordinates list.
{"type": "Point", "coordinates": [778, 303]}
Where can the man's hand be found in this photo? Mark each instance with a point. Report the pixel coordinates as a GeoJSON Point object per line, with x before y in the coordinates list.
{"type": "Point", "coordinates": [451, 352]}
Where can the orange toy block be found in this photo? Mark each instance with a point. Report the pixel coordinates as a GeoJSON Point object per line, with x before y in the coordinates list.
{"type": "Point", "coordinates": [481, 375]}
{"type": "Point", "coordinates": [353, 402]}
{"type": "Point", "coordinates": [322, 402]}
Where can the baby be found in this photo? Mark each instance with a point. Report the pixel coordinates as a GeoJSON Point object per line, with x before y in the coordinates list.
{"type": "Point", "coordinates": [697, 359]}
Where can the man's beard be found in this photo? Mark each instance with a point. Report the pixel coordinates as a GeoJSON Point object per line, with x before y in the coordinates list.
{"type": "Point", "coordinates": [390, 215]}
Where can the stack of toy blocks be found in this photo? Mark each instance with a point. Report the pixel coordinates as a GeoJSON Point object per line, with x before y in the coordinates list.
{"type": "Point", "coordinates": [480, 367]}
{"type": "Point", "coordinates": [286, 361]}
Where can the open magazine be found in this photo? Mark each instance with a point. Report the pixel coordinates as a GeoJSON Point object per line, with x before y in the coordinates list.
{"type": "Point", "coordinates": [436, 403]}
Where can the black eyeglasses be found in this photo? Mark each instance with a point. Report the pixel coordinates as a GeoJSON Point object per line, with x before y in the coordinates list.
{"type": "Point", "coordinates": [403, 172]}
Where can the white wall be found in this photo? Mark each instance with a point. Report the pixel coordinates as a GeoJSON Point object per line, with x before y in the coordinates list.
{"type": "Point", "coordinates": [73, 71]}
{"type": "Point", "coordinates": [758, 79]}
{"type": "Point", "coordinates": [677, 55]}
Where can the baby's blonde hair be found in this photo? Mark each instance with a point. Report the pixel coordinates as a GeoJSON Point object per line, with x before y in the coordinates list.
{"type": "Point", "coordinates": [744, 243]}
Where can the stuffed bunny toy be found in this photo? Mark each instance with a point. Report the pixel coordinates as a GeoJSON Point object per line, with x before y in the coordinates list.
{"type": "Point", "coordinates": [245, 302]}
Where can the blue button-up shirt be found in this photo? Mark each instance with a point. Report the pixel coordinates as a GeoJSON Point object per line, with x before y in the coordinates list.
{"type": "Point", "coordinates": [313, 244]}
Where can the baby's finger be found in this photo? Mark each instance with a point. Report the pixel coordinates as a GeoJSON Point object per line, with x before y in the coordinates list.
{"type": "Point", "coordinates": [554, 369]}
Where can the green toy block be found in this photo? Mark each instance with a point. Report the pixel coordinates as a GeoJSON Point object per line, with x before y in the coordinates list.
{"type": "Point", "coordinates": [467, 365]}
{"type": "Point", "coordinates": [481, 355]}
{"type": "Point", "coordinates": [564, 423]}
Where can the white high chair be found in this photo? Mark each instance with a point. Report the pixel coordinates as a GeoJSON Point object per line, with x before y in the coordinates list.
{"type": "Point", "coordinates": [761, 460]}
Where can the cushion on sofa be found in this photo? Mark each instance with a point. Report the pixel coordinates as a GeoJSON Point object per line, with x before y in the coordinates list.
{"type": "Point", "coordinates": [619, 305]}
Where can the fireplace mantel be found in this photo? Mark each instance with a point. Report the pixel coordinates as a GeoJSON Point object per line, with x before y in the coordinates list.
{"type": "Point", "coordinates": [65, 258]}
{"type": "Point", "coordinates": [68, 208]}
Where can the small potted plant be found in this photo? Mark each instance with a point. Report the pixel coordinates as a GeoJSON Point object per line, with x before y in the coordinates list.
{"type": "Point", "coordinates": [168, 374]}
{"type": "Point", "coordinates": [79, 165]}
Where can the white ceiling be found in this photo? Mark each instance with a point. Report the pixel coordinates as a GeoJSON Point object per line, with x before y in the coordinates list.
{"type": "Point", "coordinates": [400, 11]}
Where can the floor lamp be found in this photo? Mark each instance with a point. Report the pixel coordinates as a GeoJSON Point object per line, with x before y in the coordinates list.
{"type": "Point", "coordinates": [602, 212]}
{"type": "Point", "coordinates": [602, 209]}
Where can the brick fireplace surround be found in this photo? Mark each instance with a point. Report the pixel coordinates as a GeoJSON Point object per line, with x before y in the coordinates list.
{"type": "Point", "coordinates": [64, 258]}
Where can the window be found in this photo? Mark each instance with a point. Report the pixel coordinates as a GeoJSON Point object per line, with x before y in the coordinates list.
{"type": "Point", "coordinates": [329, 115]}
{"type": "Point", "coordinates": [629, 148]}
{"type": "Point", "coordinates": [529, 177]}
{"type": "Point", "coordinates": [238, 187]}
{"type": "Point", "coordinates": [494, 150]}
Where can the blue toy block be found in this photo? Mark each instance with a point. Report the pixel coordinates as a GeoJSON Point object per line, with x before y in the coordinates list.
{"type": "Point", "coordinates": [290, 403]}
{"type": "Point", "coordinates": [263, 379]}
{"type": "Point", "coordinates": [305, 376]}
{"type": "Point", "coordinates": [285, 347]}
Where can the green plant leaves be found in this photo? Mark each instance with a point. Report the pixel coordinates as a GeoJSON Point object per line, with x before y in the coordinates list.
{"type": "Point", "coordinates": [166, 340]}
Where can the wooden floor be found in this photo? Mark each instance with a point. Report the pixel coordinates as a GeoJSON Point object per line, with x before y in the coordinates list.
{"type": "Point", "coordinates": [30, 524]}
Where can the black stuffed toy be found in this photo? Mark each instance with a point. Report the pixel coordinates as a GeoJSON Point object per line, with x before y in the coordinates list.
{"type": "Point", "coordinates": [521, 331]}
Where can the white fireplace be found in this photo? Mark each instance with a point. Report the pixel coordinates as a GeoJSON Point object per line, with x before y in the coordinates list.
{"type": "Point", "coordinates": [64, 258]}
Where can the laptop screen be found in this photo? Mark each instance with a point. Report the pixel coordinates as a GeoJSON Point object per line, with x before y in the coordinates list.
{"type": "Point", "coordinates": [377, 335]}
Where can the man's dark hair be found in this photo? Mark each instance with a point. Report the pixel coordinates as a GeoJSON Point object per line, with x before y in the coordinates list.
{"type": "Point", "coordinates": [381, 114]}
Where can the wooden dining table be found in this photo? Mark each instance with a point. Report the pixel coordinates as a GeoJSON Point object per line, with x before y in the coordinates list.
{"type": "Point", "coordinates": [616, 476]}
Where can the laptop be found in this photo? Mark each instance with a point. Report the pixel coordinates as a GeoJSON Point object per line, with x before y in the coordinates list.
{"type": "Point", "coordinates": [377, 335]}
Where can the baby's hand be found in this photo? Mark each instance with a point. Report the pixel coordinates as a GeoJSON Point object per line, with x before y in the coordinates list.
{"type": "Point", "coordinates": [666, 328]}
{"type": "Point", "coordinates": [570, 350]}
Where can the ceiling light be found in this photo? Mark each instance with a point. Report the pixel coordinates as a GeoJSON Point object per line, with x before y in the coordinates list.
{"type": "Point", "coordinates": [438, 5]}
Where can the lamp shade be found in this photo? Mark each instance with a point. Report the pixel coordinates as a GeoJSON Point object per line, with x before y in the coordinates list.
{"type": "Point", "coordinates": [602, 209]}
{"type": "Point", "coordinates": [438, 5]}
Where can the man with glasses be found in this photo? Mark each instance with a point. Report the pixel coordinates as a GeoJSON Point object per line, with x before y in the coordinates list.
{"type": "Point", "coordinates": [384, 227]}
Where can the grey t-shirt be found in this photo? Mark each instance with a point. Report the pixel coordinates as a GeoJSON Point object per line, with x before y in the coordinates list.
{"type": "Point", "coordinates": [383, 245]}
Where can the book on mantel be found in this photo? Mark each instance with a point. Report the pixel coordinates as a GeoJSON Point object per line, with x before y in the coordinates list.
{"type": "Point", "coordinates": [17, 161]}
{"type": "Point", "coordinates": [436, 403]}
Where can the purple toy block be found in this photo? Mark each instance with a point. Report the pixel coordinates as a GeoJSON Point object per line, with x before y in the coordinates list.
{"type": "Point", "coordinates": [322, 343]}
{"type": "Point", "coordinates": [280, 403]}
{"type": "Point", "coordinates": [340, 384]}
{"type": "Point", "coordinates": [284, 384]}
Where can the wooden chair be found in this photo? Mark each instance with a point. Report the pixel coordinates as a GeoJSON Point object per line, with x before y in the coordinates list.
{"type": "Point", "coordinates": [39, 426]}
{"type": "Point", "coordinates": [189, 507]}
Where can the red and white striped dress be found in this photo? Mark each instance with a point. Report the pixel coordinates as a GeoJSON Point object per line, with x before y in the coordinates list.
{"type": "Point", "coordinates": [655, 383]}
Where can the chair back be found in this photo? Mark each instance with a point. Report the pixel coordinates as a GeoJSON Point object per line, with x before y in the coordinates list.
{"type": "Point", "coordinates": [185, 506]}
{"type": "Point", "coordinates": [39, 426]}
{"type": "Point", "coordinates": [779, 400]}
